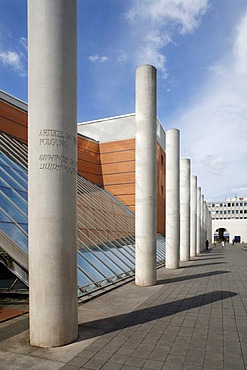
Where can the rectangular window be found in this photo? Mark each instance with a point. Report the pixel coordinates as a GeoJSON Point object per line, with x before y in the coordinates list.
{"type": "Point", "coordinates": [245, 211]}
{"type": "Point", "coordinates": [236, 204]}
{"type": "Point", "coordinates": [245, 204]}
{"type": "Point", "coordinates": [236, 211]}
{"type": "Point", "coordinates": [162, 160]}
{"type": "Point", "coordinates": [162, 190]}
{"type": "Point", "coordinates": [240, 204]}
{"type": "Point", "coordinates": [229, 204]}
{"type": "Point", "coordinates": [212, 204]}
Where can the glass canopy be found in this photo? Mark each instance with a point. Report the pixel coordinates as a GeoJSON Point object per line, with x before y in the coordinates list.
{"type": "Point", "coordinates": [105, 227]}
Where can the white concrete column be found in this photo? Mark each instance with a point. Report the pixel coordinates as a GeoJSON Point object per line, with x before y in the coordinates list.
{"type": "Point", "coordinates": [146, 176]}
{"type": "Point", "coordinates": [172, 198]}
{"type": "Point", "coordinates": [202, 223]}
{"type": "Point", "coordinates": [193, 230]}
{"type": "Point", "coordinates": [205, 223]}
{"type": "Point", "coordinates": [52, 157]}
{"type": "Point", "coordinates": [185, 209]}
{"type": "Point", "coordinates": [198, 225]}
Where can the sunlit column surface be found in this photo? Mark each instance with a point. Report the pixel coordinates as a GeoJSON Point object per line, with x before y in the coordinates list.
{"type": "Point", "coordinates": [185, 209]}
{"type": "Point", "coordinates": [193, 230]}
{"type": "Point", "coordinates": [172, 198]}
{"type": "Point", "coordinates": [52, 130]}
{"type": "Point", "coordinates": [202, 224]}
{"type": "Point", "coordinates": [145, 176]}
{"type": "Point", "coordinates": [198, 225]}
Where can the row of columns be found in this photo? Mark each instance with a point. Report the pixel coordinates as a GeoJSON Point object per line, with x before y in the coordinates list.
{"type": "Point", "coordinates": [187, 217]}
{"type": "Point", "coordinates": [52, 98]}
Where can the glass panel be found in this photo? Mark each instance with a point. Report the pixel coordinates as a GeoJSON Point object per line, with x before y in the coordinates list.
{"type": "Point", "coordinates": [12, 211]}
{"type": "Point", "coordinates": [10, 182]}
{"type": "Point", "coordinates": [15, 234]}
{"type": "Point", "coordinates": [16, 199]}
{"type": "Point", "coordinates": [91, 271]}
{"type": "Point", "coordinates": [15, 175]}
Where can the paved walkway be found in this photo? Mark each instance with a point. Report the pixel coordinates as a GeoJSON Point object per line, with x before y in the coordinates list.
{"type": "Point", "coordinates": [195, 318]}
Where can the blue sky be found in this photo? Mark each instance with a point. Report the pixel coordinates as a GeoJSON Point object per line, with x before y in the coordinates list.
{"type": "Point", "coordinates": [199, 48]}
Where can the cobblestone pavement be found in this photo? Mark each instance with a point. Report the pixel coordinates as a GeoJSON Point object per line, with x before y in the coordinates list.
{"type": "Point", "coordinates": [194, 318]}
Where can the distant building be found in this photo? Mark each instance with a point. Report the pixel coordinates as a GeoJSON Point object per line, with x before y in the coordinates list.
{"type": "Point", "coordinates": [230, 215]}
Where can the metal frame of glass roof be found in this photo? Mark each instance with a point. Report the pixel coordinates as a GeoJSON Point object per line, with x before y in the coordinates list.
{"type": "Point", "coordinates": [105, 227]}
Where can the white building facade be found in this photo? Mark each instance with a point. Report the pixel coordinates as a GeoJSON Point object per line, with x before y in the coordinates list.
{"type": "Point", "coordinates": [230, 215]}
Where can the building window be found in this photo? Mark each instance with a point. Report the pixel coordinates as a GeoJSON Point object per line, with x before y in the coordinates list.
{"type": "Point", "coordinates": [240, 211]}
{"type": "Point", "coordinates": [245, 204]}
{"type": "Point", "coordinates": [240, 204]}
{"type": "Point", "coordinates": [245, 211]}
{"type": "Point", "coordinates": [220, 204]}
{"type": "Point", "coordinates": [224, 212]}
{"type": "Point", "coordinates": [212, 204]}
{"type": "Point", "coordinates": [162, 161]}
{"type": "Point", "coordinates": [229, 204]}
{"type": "Point", "coordinates": [236, 204]}
{"type": "Point", "coordinates": [162, 190]}
{"type": "Point", "coordinates": [229, 211]}
{"type": "Point", "coordinates": [236, 211]}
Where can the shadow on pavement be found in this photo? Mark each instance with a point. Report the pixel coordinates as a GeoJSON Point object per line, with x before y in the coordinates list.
{"type": "Point", "coordinates": [202, 265]}
{"type": "Point", "coordinates": [191, 277]}
{"type": "Point", "coordinates": [149, 314]}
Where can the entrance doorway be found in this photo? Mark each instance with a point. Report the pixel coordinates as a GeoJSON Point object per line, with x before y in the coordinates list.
{"type": "Point", "coordinates": [221, 234]}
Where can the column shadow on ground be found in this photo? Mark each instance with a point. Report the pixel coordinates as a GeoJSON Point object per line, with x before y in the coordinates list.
{"type": "Point", "coordinates": [151, 313]}
{"type": "Point", "coordinates": [202, 258]}
{"type": "Point", "coordinates": [202, 265]}
{"type": "Point", "coordinates": [191, 277]}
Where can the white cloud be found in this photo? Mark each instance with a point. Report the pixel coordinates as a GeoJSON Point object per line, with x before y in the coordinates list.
{"type": "Point", "coordinates": [122, 56]}
{"type": "Point", "coordinates": [240, 46]}
{"type": "Point", "coordinates": [97, 58]}
{"type": "Point", "coordinates": [15, 57]}
{"type": "Point", "coordinates": [214, 126]}
{"type": "Point", "coordinates": [155, 22]}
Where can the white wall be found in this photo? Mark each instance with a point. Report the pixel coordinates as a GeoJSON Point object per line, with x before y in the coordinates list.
{"type": "Point", "coordinates": [233, 226]}
{"type": "Point", "coordinates": [115, 129]}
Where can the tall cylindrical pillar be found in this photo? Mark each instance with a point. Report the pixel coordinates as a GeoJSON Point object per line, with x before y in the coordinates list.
{"type": "Point", "coordinates": [193, 231]}
{"type": "Point", "coordinates": [198, 225]}
{"type": "Point", "coordinates": [145, 176]}
{"type": "Point", "coordinates": [202, 223]}
{"type": "Point", "coordinates": [172, 198]}
{"type": "Point", "coordinates": [52, 157]}
{"type": "Point", "coordinates": [185, 209]}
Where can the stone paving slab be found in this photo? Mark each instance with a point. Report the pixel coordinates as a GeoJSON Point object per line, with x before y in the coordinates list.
{"type": "Point", "coordinates": [194, 318]}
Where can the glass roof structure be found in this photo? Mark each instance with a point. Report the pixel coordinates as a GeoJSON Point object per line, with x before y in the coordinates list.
{"type": "Point", "coordinates": [105, 227]}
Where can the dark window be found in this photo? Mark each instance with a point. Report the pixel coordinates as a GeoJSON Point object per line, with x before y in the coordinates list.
{"type": "Point", "coordinates": [162, 190]}
{"type": "Point", "coordinates": [229, 204]}
{"type": "Point", "coordinates": [162, 161]}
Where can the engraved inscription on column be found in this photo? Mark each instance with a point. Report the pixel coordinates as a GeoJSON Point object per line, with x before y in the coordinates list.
{"type": "Point", "coordinates": [50, 138]}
